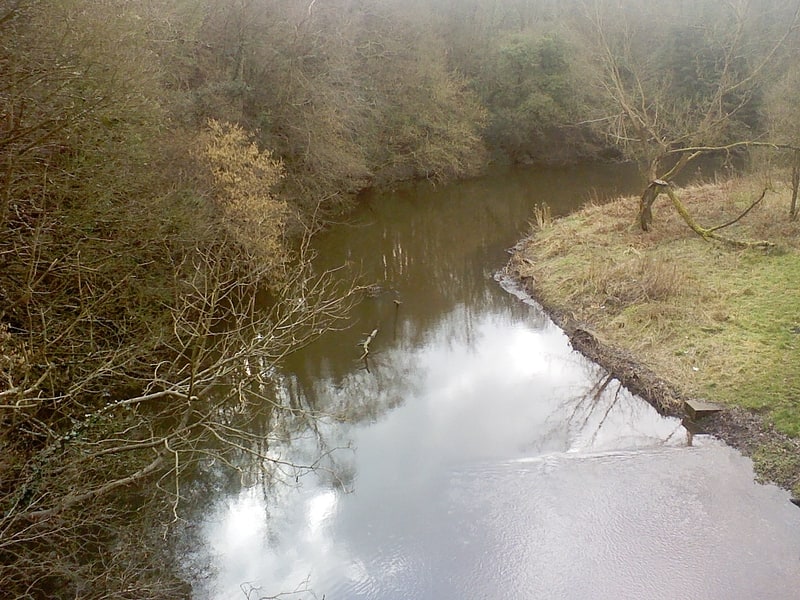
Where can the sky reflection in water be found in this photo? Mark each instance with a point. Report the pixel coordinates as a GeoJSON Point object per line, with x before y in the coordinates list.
{"type": "Point", "coordinates": [504, 474]}
{"type": "Point", "coordinates": [487, 459]}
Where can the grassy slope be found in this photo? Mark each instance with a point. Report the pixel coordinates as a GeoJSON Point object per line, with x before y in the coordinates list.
{"type": "Point", "coordinates": [716, 322]}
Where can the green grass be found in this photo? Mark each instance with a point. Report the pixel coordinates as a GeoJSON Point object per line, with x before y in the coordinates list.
{"type": "Point", "coordinates": [759, 352]}
{"type": "Point", "coordinates": [774, 460]}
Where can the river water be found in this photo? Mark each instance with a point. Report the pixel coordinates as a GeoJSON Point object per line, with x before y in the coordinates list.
{"type": "Point", "coordinates": [476, 455]}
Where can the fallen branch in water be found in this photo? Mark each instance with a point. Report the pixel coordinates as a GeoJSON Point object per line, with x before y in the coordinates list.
{"type": "Point", "coordinates": [365, 344]}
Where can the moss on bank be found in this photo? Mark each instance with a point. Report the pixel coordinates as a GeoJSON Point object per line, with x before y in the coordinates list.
{"type": "Point", "coordinates": [680, 317]}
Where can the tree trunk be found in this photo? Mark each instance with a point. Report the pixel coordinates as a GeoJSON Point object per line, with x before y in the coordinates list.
{"type": "Point", "coordinates": [646, 204]}
{"type": "Point", "coordinates": [795, 184]}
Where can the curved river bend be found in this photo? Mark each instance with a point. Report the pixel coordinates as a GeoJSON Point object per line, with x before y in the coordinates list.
{"type": "Point", "coordinates": [479, 457]}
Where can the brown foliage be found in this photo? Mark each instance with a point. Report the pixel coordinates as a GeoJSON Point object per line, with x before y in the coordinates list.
{"type": "Point", "coordinates": [243, 178]}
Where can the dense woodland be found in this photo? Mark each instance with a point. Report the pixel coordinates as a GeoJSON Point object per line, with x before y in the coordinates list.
{"type": "Point", "coordinates": [163, 164]}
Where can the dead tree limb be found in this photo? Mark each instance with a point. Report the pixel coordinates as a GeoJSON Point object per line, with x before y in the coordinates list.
{"type": "Point", "coordinates": [365, 344]}
{"type": "Point", "coordinates": [705, 232]}
{"type": "Point", "coordinates": [741, 216]}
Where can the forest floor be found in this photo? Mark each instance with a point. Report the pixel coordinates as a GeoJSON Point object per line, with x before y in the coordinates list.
{"type": "Point", "coordinates": [675, 317]}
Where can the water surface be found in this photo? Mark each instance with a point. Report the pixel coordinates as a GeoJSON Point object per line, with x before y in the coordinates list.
{"type": "Point", "coordinates": [479, 456]}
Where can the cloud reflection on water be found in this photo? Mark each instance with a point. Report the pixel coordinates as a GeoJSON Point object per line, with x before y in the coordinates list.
{"type": "Point", "coordinates": [504, 390]}
{"type": "Point", "coordinates": [488, 460]}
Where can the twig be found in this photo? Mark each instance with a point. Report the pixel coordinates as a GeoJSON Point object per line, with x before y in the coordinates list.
{"type": "Point", "coordinates": [749, 208]}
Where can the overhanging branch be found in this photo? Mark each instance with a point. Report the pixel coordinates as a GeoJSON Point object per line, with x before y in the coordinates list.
{"type": "Point", "coordinates": [734, 145]}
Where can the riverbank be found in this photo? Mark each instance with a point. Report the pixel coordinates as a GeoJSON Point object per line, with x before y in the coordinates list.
{"type": "Point", "coordinates": [675, 317]}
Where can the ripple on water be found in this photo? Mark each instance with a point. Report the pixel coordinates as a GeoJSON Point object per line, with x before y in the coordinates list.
{"type": "Point", "coordinates": [617, 524]}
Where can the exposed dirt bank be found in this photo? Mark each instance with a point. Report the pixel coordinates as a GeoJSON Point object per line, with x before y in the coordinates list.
{"type": "Point", "coordinates": [674, 317]}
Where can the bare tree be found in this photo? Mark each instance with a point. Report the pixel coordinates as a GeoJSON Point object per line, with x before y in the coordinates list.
{"type": "Point", "coordinates": [146, 301]}
{"type": "Point", "coordinates": [213, 402]}
{"type": "Point", "coordinates": [683, 91]}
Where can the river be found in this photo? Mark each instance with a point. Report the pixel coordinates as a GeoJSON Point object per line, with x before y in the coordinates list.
{"type": "Point", "coordinates": [476, 455]}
